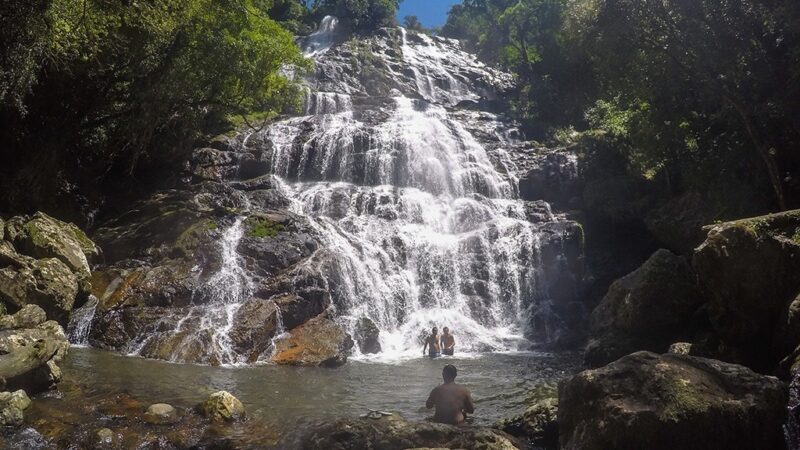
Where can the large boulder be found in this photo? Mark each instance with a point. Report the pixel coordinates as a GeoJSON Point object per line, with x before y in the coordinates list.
{"type": "Point", "coordinates": [647, 309]}
{"type": "Point", "coordinates": [29, 357]}
{"type": "Point", "coordinates": [42, 236]}
{"type": "Point", "coordinates": [48, 283]}
{"type": "Point", "coordinates": [318, 342]}
{"type": "Point", "coordinates": [750, 269]}
{"type": "Point", "coordinates": [389, 432]}
{"type": "Point", "coordinates": [645, 400]}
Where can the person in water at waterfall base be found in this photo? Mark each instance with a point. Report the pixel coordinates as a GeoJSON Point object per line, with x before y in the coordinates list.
{"type": "Point", "coordinates": [448, 342]}
{"type": "Point", "coordinates": [452, 401]}
{"type": "Point", "coordinates": [432, 344]}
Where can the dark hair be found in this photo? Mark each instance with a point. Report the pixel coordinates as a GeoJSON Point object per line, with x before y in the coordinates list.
{"type": "Point", "coordinates": [449, 372]}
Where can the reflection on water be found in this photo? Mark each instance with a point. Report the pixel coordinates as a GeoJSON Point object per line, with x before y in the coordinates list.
{"type": "Point", "coordinates": [282, 396]}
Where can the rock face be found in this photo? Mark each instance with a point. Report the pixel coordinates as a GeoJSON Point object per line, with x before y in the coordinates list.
{"type": "Point", "coordinates": [319, 342]}
{"type": "Point", "coordinates": [394, 432]}
{"type": "Point", "coordinates": [738, 301]}
{"type": "Point", "coordinates": [644, 400]}
{"type": "Point", "coordinates": [751, 271]}
{"type": "Point", "coordinates": [647, 309]}
{"type": "Point", "coordinates": [222, 406]}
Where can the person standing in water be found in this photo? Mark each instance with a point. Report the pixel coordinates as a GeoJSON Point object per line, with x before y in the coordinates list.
{"type": "Point", "coordinates": [448, 342]}
{"type": "Point", "coordinates": [452, 401]}
{"type": "Point", "coordinates": [432, 344]}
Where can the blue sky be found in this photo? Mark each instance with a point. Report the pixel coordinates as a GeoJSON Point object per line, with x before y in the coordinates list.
{"type": "Point", "coordinates": [432, 13]}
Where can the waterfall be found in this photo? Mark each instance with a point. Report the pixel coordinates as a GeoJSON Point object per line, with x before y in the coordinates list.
{"type": "Point", "coordinates": [422, 227]}
{"type": "Point", "coordinates": [322, 39]}
{"type": "Point", "coordinates": [80, 323]}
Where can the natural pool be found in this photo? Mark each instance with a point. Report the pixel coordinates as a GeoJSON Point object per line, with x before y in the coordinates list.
{"type": "Point", "coordinates": [279, 399]}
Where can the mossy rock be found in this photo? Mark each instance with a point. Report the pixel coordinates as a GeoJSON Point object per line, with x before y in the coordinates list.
{"type": "Point", "coordinates": [645, 400]}
{"type": "Point", "coordinates": [193, 237]}
{"type": "Point", "coordinates": [262, 227]}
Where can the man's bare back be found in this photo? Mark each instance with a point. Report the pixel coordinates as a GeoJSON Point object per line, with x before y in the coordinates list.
{"type": "Point", "coordinates": [452, 401]}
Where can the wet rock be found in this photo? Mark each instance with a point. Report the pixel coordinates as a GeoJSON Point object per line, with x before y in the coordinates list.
{"type": "Point", "coordinates": [645, 400]}
{"type": "Point", "coordinates": [304, 304]}
{"type": "Point", "coordinates": [538, 423]}
{"type": "Point", "coordinates": [12, 405]}
{"type": "Point", "coordinates": [254, 326]}
{"type": "Point", "coordinates": [647, 309]}
{"type": "Point", "coordinates": [105, 437]}
{"type": "Point", "coordinates": [222, 406]}
{"type": "Point", "coordinates": [318, 342]}
{"type": "Point", "coordinates": [161, 414]}
{"type": "Point", "coordinates": [366, 336]}
{"type": "Point", "coordinates": [751, 270]}
{"type": "Point", "coordinates": [394, 432]}
{"type": "Point", "coordinates": [28, 317]}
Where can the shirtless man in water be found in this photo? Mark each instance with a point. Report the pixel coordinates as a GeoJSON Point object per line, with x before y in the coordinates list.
{"type": "Point", "coordinates": [448, 342]}
{"type": "Point", "coordinates": [432, 344]}
{"type": "Point", "coordinates": [452, 401]}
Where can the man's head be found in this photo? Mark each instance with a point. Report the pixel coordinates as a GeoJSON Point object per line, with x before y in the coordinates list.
{"type": "Point", "coordinates": [449, 373]}
{"type": "Point", "coordinates": [446, 330]}
{"type": "Point", "coordinates": [435, 331]}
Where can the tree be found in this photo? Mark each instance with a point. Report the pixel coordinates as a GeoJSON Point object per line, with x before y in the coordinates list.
{"type": "Point", "coordinates": [361, 15]}
{"type": "Point", "coordinates": [112, 87]}
{"type": "Point", "coordinates": [413, 23]}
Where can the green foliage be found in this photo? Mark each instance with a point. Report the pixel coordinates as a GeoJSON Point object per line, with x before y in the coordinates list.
{"type": "Point", "coordinates": [119, 88]}
{"type": "Point", "coordinates": [261, 227]}
{"type": "Point", "coordinates": [704, 92]}
{"type": "Point", "coordinates": [413, 23]}
{"type": "Point", "coordinates": [361, 15]}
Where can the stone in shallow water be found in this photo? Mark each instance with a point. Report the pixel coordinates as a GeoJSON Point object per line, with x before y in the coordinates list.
{"type": "Point", "coordinates": [11, 406]}
{"type": "Point", "coordinates": [104, 436]}
{"type": "Point", "coordinates": [161, 413]}
{"type": "Point", "coordinates": [222, 406]}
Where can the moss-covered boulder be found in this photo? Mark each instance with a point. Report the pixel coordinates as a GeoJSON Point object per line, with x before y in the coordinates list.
{"type": "Point", "coordinates": [42, 236]}
{"type": "Point", "coordinates": [751, 271]}
{"type": "Point", "coordinates": [28, 317]}
{"type": "Point", "coordinates": [12, 405]}
{"type": "Point", "coordinates": [645, 400]}
{"type": "Point", "coordinates": [318, 342]}
{"type": "Point", "coordinates": [538, 424]}
{"type": "Point", "coordinates": [222, 406]}
{"type": "Point", "coordinates": [647, 309]}
{"type": "Point", "coordinates": [48, 283]}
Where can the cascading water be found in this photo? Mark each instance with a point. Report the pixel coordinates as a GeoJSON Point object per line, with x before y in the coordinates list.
{"type": "Point", "coordinates": [322, 39]}
{"type": "Point", "coordinates": [205, 328]}
{"type": "Point", "coordinates": [80, 323]}
{"type": "Point", "coordinates": [420, 225]}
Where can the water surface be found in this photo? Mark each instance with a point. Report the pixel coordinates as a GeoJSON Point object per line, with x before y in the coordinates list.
{"type": "Point", "coordinates": [282, 396]}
